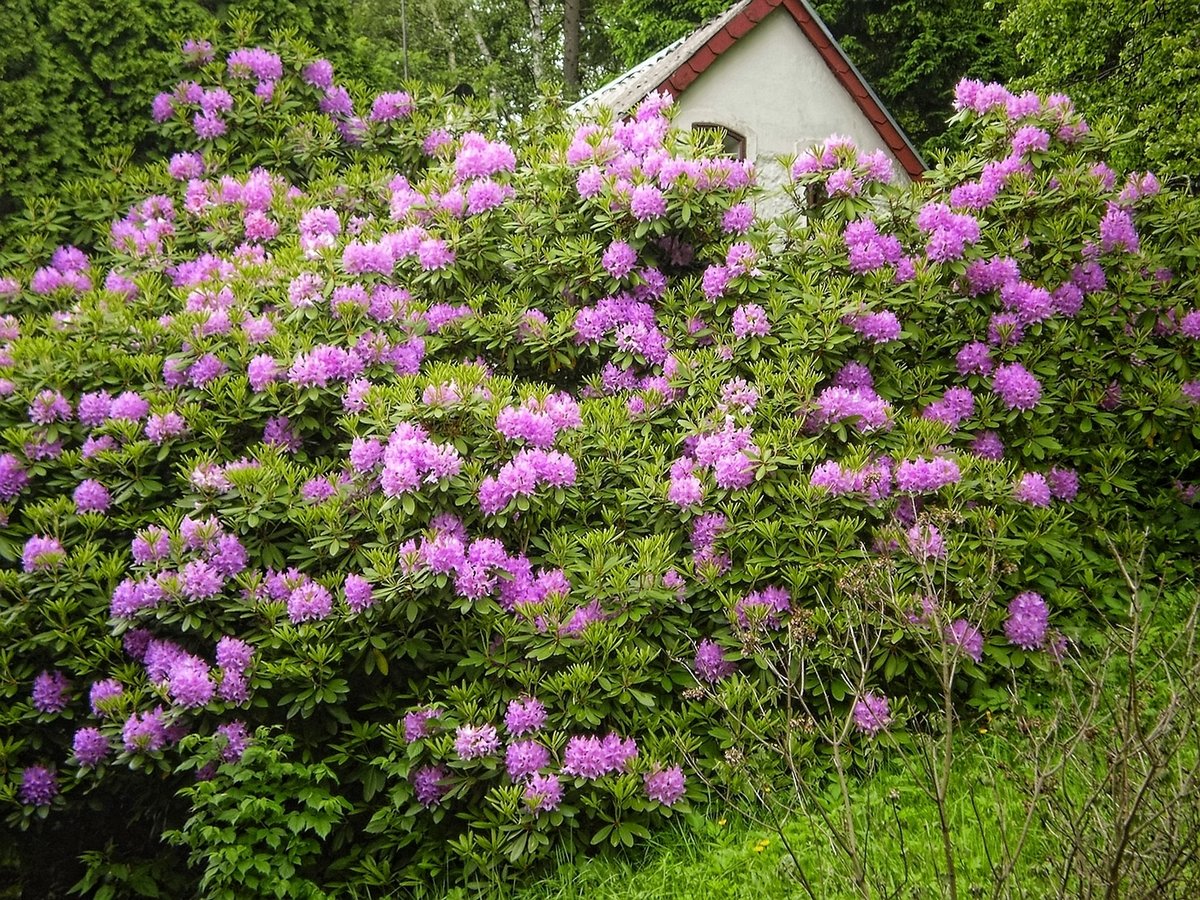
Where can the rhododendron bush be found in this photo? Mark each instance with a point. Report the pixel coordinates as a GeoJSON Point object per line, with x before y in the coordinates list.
{"type": "Point", "coordinates": [466, 460]}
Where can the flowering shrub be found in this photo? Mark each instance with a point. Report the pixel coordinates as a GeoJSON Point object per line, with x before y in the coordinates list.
{"type": "Point", "coordinates": [465, 460]}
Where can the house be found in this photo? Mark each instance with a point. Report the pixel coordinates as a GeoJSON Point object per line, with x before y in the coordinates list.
{"type": "Point", "coordinates": [769, 77]}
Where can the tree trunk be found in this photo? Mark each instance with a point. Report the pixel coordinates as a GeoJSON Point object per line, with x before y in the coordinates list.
{"type": "Point", "coordinates": [572, 16]}
{"type": "Point", "coordinates": [484, 51]}
{"type": "Point", "coordinates": [430, 9]}
{"type": "Point", "coordinates": [537, 33]}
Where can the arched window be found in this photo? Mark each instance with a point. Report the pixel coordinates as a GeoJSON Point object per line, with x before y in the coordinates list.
{"type": "Point", "coordinates": [733, 144]}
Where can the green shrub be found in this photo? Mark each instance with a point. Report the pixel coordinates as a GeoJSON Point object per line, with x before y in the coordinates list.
{"type": "Point", "coordinates": [421, 425]}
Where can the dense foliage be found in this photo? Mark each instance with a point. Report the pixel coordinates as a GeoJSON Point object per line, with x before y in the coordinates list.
{"type": "Point", "coordinates": [914, 52]}
{"type": "Point", "coordinates": [76, 79]}
{"type": "Point", "coordinates": [1135, 60]}
{"type": "Point", "coordinates": [375, 514]}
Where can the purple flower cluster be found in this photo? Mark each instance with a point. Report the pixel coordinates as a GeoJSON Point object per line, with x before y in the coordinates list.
{"type": "Point", "coordinates": [926, 475]}
{"type": "Point", "coordinates": [665, 786]}
{"type": "Point", "coordinates": [234, 657]}
{"type": "Point", "coordinates": [874, 480]}
{"type": "Point", "coordinates": [543, 793]}
{"type": "Point", "coordinates": [1117, 231]}
{"type": "Point", "coordinates": [1063, 482]}
{"type": "Point", "coordinates": [711, 664]}
{"type": "Point", "coordinates": [1033, 490]}
{"type": "Point", "coordinates": [996, 174]}
{"type": "Point", "coordinates": [322, 365]}
{"type": "Point", "coordinates": [429, 785]}
{"type": "Point", "coordinates": [13, 478]}
{"type": "Point", "coordinates": [1028, 618]}
{"type": "Point", "coordinates": [871, 713]}
{"type": "Point", "coordinates": [358, 593]}
{"type": "Point", "coordinates": [478, 157]}
{"type": "Point", "coordinates": [949, 232]}
{"type": "Point", "coordinates": [161, 427]}
{"type": "Point", "coordinates": [90, 746]}
{"type": "Point", "coordinates": [145, 732]}
{"type": "Point", "coordinates": [868, 249]}
{"type": "Point", "coordinates": [416, 723]}
{"type": "Point", "coordinates": [255, 62]}
{"type": "Point", "coordinates": [984, 275]}
{"type": "Point", "coordinates": [236, 738]}
{"type": "Point", "coordinates": [142, 231]}
{"type": "Point", "coordinates": [51, 692]}
{"type": "Point", "coordinates": [208, 556]}
{"type": "Point", "coordinates": [619, 259]}
{"type": "Point", "coordinates": [841, 168]}
{"type": "Point", "coordinates": [1005, 330]}
{"type": "Point", "coordinates": [987, 445]}
{"type": "Point", "coordinates": [309, 602]}
{"type": "Point", "coordinates": [1016, 386]}
{"type": "Point", "coordinates": [879, 327]}
{"type": "Point", "coordinates": [750, 319]}
{"type": "Point", "coordinates": [280, 432]}
{"type": "Point", "coordinates": [522, 476]}
{"type": "Point", "coordinates": [630, 319]}
{"type": "Point", "coordinates": [381, 257]}
{"type": "Point", "coordinates": [728, 452]}
{"type": "Point", "coordinates": [42, 553]}
{"type": "Point", "coordinates": [408, 460]}
{"type": "Point", "coordinates": [956, 406]}
{"type": "Point", "coordinates": [390, 106]}
{"type": "Point", "coordinates": [102, 698]}
{"type": "Point", "coordinates": [91, 496]}
{"type": "Point", "coordinates": [737, 219]}
{"type": "Point", "coordinates": [988, 99]}
{"type": "Point", "coordinates": [1139, 186]}
{"type": "Point", "coordinates": [48, 407]}
{"type": "Point", "coordinates": [925, 543]}
{"type": "Point", "coordinates": [39, 786]}
{"type": "Point", "coordinates": [974, 359]}
{"type": "Point", "coordinates": [538, 422]}
{"type": "Point", "coordinates": [69, 270]}
{"type": "Point", "coordinates": [630, 164]}
{"type": "Point", "coordinates": [475, 741]}
{"type": "Point", "coordinates": [961, 635]}
{"type": "Point", "coordinates": [523, 759]}
{"type": "Point", "coordinates": [1028, 302]}
{"type": "Point", "coordinates": [715, 280]}
{"type": "Point", "coordinates": [524, 715]}
{"type": "Point", "coordinates": [593, 757]}
{"type": "Point", "coordinates": [762, 608]}
{"type": "Point", "coordinates": [866, 410]}
{"type": "Point", "coordinates": [706, 529]}
{"type": "Point", "coordinates": [482, 567]}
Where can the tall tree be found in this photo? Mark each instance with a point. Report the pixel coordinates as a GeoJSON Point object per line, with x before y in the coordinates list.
{"type": "Point", "coordinates": [509, 49]}
{"type": "Point", "coordinates": [77, 78]}
{"type": "Point", "coordinates": [572, 26]}
{"type": "Point", "coordinates": [913, 52]}
{"type": "Point", "coordinates": [638, 28]}
{"type": "Point", "coordinates": [1137, 61]}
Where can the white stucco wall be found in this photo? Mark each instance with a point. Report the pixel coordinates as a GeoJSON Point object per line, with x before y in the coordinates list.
{"type": "Point", "coordinates": [773, 86]}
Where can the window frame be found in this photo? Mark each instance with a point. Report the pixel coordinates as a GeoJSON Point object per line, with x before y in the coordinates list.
{"type": "Point", "coordinates": [727, 134]}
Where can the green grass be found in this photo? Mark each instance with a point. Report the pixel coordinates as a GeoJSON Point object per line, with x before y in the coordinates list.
{"type": "Point", "coordinates": [717, 854]}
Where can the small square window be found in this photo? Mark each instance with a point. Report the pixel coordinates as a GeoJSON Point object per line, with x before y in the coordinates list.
{"type": "Point", "coordinates": [733, 144]}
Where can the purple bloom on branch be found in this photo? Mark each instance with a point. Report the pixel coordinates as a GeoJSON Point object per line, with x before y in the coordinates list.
{"type": "Point", "coordinates": [90, 747]}
{"type": "Point", "coordinates": [50, 692]}
{"type": "Point", "coordinates": [39, 786]}
{"type": "Point", "coordinates": [871, 713]}
{"type": "Point", "coordinates": [666, 786]}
